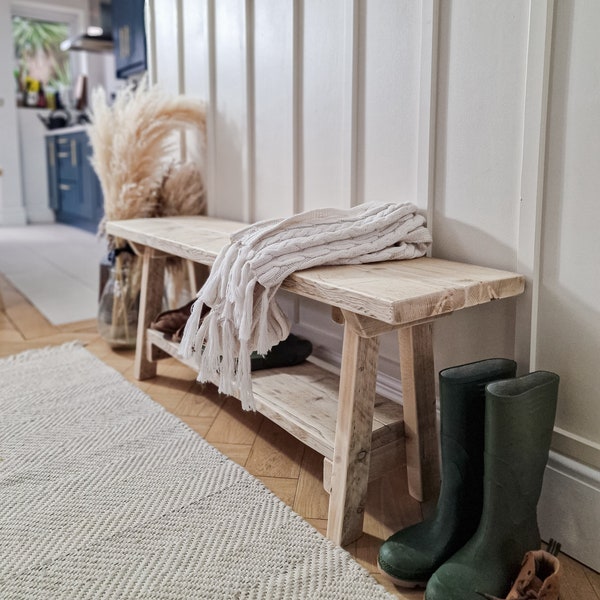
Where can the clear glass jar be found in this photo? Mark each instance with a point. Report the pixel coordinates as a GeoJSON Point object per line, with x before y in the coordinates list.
{"type": "Point", "coordinates": [119, 306]}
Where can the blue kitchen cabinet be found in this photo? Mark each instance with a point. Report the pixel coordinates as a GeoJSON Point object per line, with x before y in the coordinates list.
{"type": "Point", "coordinates": [129, 34]}
{"type": "Point", "coordinates": [91, 186]}
{"type": "Point", "coordinates": [74, 189]}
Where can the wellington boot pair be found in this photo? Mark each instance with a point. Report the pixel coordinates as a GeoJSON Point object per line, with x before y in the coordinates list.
{"type": "Point", "coordinates": [495, 438]}
{"type": "Point", "coordinates": [412, 555]}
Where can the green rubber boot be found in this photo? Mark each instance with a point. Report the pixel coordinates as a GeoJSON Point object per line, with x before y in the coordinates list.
{"type": "Point", "coordinates": [410, 556]}
{"type": "Point", "coordinates": [518, 427]}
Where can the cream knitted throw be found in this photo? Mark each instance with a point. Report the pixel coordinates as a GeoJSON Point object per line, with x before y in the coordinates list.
{"type": "Point", "coordinates": [247, 273]}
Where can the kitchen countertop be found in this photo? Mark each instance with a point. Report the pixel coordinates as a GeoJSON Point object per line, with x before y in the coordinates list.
{"type": "Point", "coordinates": [65, 130]}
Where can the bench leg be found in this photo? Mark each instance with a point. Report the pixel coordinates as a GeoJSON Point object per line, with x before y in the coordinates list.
{"type": "Point", "coordinates": [352, 452]}
{"type": "Point", "coordinates": [418, 396]}
{"type": "Point", "coordinates": [151, 296]}
{"type": "Point", "coordinates": [197, 275]}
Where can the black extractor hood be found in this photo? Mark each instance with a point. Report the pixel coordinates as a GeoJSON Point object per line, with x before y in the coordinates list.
{"type": "Point", "coordinates": [98, 35]}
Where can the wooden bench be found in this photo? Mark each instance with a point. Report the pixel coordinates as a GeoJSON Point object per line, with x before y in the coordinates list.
{"type": "Point", "coordinates": [359, 434]}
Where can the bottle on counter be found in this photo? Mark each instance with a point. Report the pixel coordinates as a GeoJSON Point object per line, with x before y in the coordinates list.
{"type": "Point", "coordinates": [42, 102]}
{"type": "Point", "coordinates": [50, 98]}
{"type": "Point", "coordinates": [32, 87]}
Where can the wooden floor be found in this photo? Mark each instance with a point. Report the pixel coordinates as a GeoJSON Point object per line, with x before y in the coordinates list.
{"type": "Point", "coordinates": [291, 470]}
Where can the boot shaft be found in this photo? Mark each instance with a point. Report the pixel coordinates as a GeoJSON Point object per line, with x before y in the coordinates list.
{"type": "Point", "coordinates": [518, 430]}
{"type": "Point", "coordinates": [462, 422]}
{"type": "Point", "coordinates": [462, 399]}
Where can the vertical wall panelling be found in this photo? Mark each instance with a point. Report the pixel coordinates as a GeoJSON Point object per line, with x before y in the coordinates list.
{"type": "Point", "coordinates": [166, 67]}
{"type": "Point", "coordinates": [250, 146]}
{"type": "Point", "coordinates": [293, 305]}
{"type": "Point", "coordinates": [211, 114]}
{"type": "Point", "coordinates": [194, 39]}
{"type": "Point", "coordinates": [482, 57]}
{"type": "Point", "coordinates": [427, 108]}
{"type": "Point", "coordinates": [324, 102]}
{"type": "Point", "coordinates": [194, 79]}
{"type": "Point", "coordinates": [568, 317]}
{"type": "Point", "coordinates": [481, 83]}
{"type": "Point", "coordinates": [388, 100]}
{"type": "Point", "coordinates": [181, 85]}
{"type": "Point", "coordinates": [151, 37]}
{"type": "Point", "coordinates": [167, 44]}
{"type": "Point", "coordinates": [350, 107]}
{"type": "Point", "coordinates": [539, 49]}
{"type": "Point", "coordinates": [231, 139]}
{"type": "Point", "coordinates": [274, 117]}
{"type": "Point", "coordinates": [181, 71]}
{"type": "Point", "coordinates": [297, 110]}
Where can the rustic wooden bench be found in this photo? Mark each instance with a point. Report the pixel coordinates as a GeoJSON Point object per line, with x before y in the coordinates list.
{"type": "Point", "coordinates": [359, 434]}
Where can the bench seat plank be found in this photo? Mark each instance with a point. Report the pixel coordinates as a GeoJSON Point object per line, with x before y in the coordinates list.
{"type": "Point", "coordinates": [394, 292]}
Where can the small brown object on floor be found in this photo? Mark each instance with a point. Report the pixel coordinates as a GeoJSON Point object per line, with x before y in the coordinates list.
{"type": "Point", "coordinates": [539, 578]}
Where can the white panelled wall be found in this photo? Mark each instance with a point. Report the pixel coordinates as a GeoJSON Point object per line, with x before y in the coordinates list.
{"type": "Point", "coordinates": [484, 114]}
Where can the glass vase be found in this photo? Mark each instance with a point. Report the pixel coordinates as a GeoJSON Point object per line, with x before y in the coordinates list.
{"type": "Point", "coordinates": [119, 307]}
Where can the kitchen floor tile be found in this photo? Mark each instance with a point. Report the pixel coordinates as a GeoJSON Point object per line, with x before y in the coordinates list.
{"type": "Point", "coordinates": [56, 267]}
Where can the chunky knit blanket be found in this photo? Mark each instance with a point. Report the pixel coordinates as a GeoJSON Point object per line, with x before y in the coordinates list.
{"type": "Point", "coordinates": [240, 290]}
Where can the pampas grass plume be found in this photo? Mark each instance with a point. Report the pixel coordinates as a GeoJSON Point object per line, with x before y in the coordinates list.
{"type": "Point", "coordinates": [181, 191]}
{"type": "Point", "coordinates": [133, 144]}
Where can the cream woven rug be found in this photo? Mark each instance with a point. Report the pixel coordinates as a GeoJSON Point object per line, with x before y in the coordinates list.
{"type": "Point", "coordinates": [103, 494]}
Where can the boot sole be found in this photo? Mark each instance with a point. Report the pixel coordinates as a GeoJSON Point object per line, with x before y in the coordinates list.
{"type": "Point", "coordinates": [402, 582]}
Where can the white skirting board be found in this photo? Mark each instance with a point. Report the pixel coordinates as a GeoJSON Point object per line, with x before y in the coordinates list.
{"type": "Point", "coordinates": [569, 508]}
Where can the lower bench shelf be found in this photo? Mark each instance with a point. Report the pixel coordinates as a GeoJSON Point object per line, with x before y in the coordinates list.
{"type": "Point", "coordinates": [303, 400]}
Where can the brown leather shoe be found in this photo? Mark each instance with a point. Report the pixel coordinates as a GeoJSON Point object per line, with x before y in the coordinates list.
{"type": "Point", "coordinates": [172, 322]}
{"type": "Point", "coordinates": [539, 578]}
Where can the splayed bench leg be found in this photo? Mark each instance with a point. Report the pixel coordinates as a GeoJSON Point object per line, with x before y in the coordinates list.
{"type": "Point", "coordinates": [151, 296]}
{"type": "Point", "coordinates": [418, 399]}
{"type": "Point", "coordinates": [352, 451]}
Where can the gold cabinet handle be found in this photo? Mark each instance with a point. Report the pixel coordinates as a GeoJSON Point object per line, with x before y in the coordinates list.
{"type": "Point", "coordinates": [64, 187]}
{"type": "Point", "coordinates": [51, 153]}
{"type": "Point", "coordinates": [73, 153]}
{"type": "Point", "coordinates": [63, 154]}
{"type": "Point", "coordinates": [62, 140]}
{"type": "Point", "coordinates": [124, 45]}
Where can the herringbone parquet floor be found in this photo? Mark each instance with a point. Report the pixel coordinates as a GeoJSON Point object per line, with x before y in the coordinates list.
{"type": "Point", "coordinates": [287, 467]}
